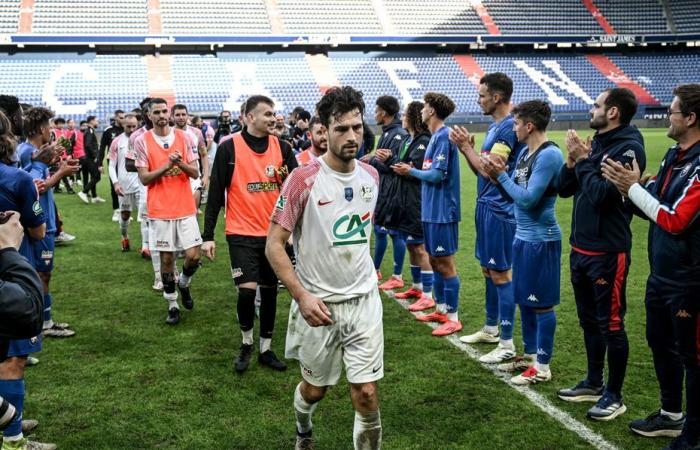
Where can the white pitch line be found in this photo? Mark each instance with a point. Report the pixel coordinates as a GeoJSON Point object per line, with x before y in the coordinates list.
{"type": "Point", "coordinates": [564, 418]}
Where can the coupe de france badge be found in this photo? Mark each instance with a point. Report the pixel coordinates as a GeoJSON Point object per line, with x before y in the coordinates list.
{"type": "Point", "coordinates": [349, 194]}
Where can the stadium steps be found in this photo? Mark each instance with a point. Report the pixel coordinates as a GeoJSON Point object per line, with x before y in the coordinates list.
{"type": "Point", "coordinates": [613, 73]}
{"type": "Point", "coordinates": [486, 19]}
{"type": "Point", "coordinates": [155, 20]}
{"type": "Point", "coordinates": [160, 80]}
{"type": "Point", "coordinates": [26, 16]}
{"type": "Point", "coordinates": [471, 68]}
{"type": "Point", "coordinates": [322, 71]}
{"type": "Point", "coordinates": [602, 21]}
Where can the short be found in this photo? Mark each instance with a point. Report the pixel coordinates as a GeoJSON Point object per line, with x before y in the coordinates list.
{"type": "Point", "coordinates": [24, 347]}
{"type": "Point", "coordinates": [494, 239]}
{"type": "Point", "coordinates": [536, 273]}
{"type": "Point", "coordinates": [384, 230]}
{"type": "Point", "coordinates": [174, 235]}
{"type": "Point", "coordinates": [355, 340]}
{"type": "Point", "coordinates": [43, 251]}
{"type": "Point", "coordinates": [129, 202]}
{"type": "Point", "coordinates": [441, 239]}
{"type": "Point", "coordinates": [411, 239]}
{"type": "Point", "coordinates": [196, 184]}
{"type": "Point", "coordinates": [248, 261]}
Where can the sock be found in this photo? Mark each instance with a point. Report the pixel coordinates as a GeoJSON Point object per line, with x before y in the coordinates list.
{"type": "Point", "coordinates": [13, 392]}
{"type": "Point", "coordinates": [506, 343]}
{"type": "Point", "coordinates": [399, 254]}
{"type": "Point", "coordinates": [529, 329]}
{"type": "Point", "coordinates": [265, 344]}
{"type": "Point", "coordinates": [541, 367]}
{"type": "Point", "coordinates": [546, 325]}
{"type": "Point", "coordinates": [491, 329]}
{"type": "Point", "coordinates": [415, 277]}
{"type": "Point", "coordinates": [124, 227]}
{"type": "Point", "coordinates": [367, 432]}
{"type": "Point", "coordinates": [672, 416]}
{"type": "Point", "coordinates": [452, 297]}
{"type": "Point", "coordinates": [155, 260]}
{"type": "Point", "coordinates": [439, 290]}
{"type": "Point", "coordinates": [48, 299]}
{"type": "Point", "coordinates": [491, 303]}
{"type": "Point", "coordinates": [303, 411]}
{"type": "Point", "coordinates": [169, 293]}
{"type": "Point", "coordinates": [426, 279]}
{"type": "Point", "coordinates": [246, 311]}
{"type": "Point", "coordinates": [268, 310]}
{"type": "Point", "coordinates": [506, 309]}
{"type": "Point", "coordinates": [380, 244]}
{"type": "Point", "coordinates": [247, 336]}
{"type": "Point", "coordinates": [186, 275]}
{"type": "Point", "coordinates": [144, 233]}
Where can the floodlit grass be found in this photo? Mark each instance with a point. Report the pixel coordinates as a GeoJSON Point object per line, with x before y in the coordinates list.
{"type": "Point", "coordinates": [128, 381]}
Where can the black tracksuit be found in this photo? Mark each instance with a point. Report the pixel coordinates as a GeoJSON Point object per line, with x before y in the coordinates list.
{"type": "Point", "coordinates": [89, 164]}
{"type": "Point", "coordinates": [601, 240]}
{"type": "Point", "coordinates": [108, 136]}
{"type": "Point", "coordinates": [393, 136]}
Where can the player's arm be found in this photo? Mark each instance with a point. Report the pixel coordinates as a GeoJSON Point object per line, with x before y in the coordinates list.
{"type": "Point", "coordinates": [311, 307]}
{"type": "Point", "coordinates": [149, 176]}
{"type": "Point", "coordinates": [465, 142]}
{"type": "Point", "coordinates": [545, 169]}
{"type": "Point", "coordinates": [568, 183]}
{"type": "Point", "coordinates": [220, 180]}
{"type": "Point", "coordinates": [33, 216]}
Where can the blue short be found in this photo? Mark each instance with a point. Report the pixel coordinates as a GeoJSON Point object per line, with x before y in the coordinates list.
{"type": "Point", "coordinates": [411, 239]}
{"type": "Point", "coordinates": [536, 273]}
{"type": "Point", "coordinates": [494, 239]}
{"type": "Point", "coordinates": [384, 230]}
{"type": "Point", "coordinates": [43, 253]}
{"type": "Point", "coordinates": [441, 239]}
{"type": "Point", "coordinates": [24, 347]}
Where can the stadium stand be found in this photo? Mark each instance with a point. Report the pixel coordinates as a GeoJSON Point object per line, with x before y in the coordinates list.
{"type": "Point", "coordinates": [9, 16]}
{"type": "Point", "coordinates": [533, 17]}
{"type": "Point", "coordinates": [634, 16]}
{"type": "Point", "coordinates": [685, 15]}
{"type": "Point", "coordinates": [418, 17]}
{"type": "Point", "coordinates": [90, 17]}
{"type": "Point", "coordinates": [214, 17]}
{"type": "Point", "coordinates": [329, 17]}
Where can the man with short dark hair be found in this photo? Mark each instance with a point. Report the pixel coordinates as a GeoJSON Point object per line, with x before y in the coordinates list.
{"type": "Point", "coordinates": [386, 115]}
{"type": "Point", "coordinates": [91, 166]}
{"type": "Point", "coordinates": [115, 128]}
{"type": "Point", "coordinates": [601, 241]}
{"type": "Point", "coordinates": [440, 212]}
{"type": "Point", "coordinates": [248, 172]}
{"type": "Point", "coordinates": [671, 202]}
{"type": "Point", "coordinates": [180, 119]}
{"type": "Point", "coordinates": [224, 125]}
{"type": "Point", "coordinates": [318, 135]}
{"type": "Point", "coordinates": [336, 316]}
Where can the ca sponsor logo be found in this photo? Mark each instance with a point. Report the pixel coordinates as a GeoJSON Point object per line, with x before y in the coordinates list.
{"type": "Point", "coordinates": [236, 272]}
{"type": "Point", "coordinates": [350, 229]}
{"type": "Point", "coordinates": [281, 201]}
{"type": "Point", "coordinates": [36, 207]}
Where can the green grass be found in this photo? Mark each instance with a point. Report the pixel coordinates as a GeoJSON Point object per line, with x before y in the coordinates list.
{"type": "Point", "coordinates": [128, 381]}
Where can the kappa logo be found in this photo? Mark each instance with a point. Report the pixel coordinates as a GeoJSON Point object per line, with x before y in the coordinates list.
{"type": "Point", "coordinates": [542, 352]}
{"type": "Point", "coordinates": [492, 261]}
{"type": "Point", "coordinates": [397, 137]}
{"type": "Point", "coordinates": [347, 228]}
{"type": "Point", "coordinates": [440, 249]}
{"type": "Point", "coordinates": [533, 298]}
{"type": "Point", "coordinates": [421, 147]}
{"type": "Point", "coordinates": [601, 282]}
{"type": "Point", "coordinates": [683, 314]}
{"type": "Point", "coordinates": [630, 154]}
{"type": "Point", "coordinates": [506, 323]}
{"type": "Point", "coordinates": [236, 272]}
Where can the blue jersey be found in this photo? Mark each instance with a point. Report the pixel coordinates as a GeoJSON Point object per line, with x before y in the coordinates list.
{"type": "Point", "coordinates": [40, 171]}
{"type": "Point", "coordinates": [24, 153]}
{"type": "Point", "coordinates": [501, 140]}
{"type": "Point", "coordinates": [18, 193]}
{"type": "Point", "coordinates": [441, 201]}
{"type": "Point", "coordinates": [533, 187]}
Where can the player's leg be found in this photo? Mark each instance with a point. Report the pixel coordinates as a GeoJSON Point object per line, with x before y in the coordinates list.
{"type": "Point", "coordinates": [399, 253]}
{"type": "Point", "coordinates": [189, 239]}
{"type": "Point", "coordinates": [12, 390]}
{"type": "Point", "coordinates": [125, 203]}
{"type": "Point", "coordinates": [167, 274]}
{"type": "Point", "coordinates": [245, 274]}
{"type": "Point", "coordinates": [44, 255]}
{"type": "Point", "coordinates": [306, 399]}
{"type": "Point", "coordinates": [419, 261]}
{"type": "Point", "coordinates": [268, 312]}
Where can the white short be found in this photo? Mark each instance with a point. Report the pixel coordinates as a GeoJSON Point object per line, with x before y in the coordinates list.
{"type": "Point", "coordinates": [355, 339]}
{"type": "Point", "coordinates": [195, 184]}
{"type": "Point", "coordinates": [174, 235]}
{"type": "Point", "coordinates": [129, 202]}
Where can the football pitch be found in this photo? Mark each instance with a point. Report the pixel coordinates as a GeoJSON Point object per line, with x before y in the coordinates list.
{"type": "Point", "coordinates": [129, 381]}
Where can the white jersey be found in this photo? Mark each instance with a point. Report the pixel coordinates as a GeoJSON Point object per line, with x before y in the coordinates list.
{"type": "Point", "coordinates": [129, 181]}
{"type": "Point", "coordinates": [330, 216]}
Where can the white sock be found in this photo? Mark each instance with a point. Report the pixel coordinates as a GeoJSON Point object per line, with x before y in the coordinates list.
{"type": "Point", "coordinates": [418, 286]}
{"type": "Point", "coordinates": [184, 280]}
{"type": "Point", "coordinates": [155, 260]}
{"type": "Point", "coordinates": [428, 294]}
{"type": "Point", "coordinates": [47, 324]}
{"type": "Point", "coordinates": [530, 356]}
{"type": "Point", "coordinates": [265, 344]}
{"type": "Point", "coordinates": [441, 308]}
{"type": "Point", "coordinates": [542, 367]}
{"type": "Point", "coordinates": [303, 411]}
{"type": "Point", "coordinates": [144, 233]}
{"type": "Point", "coordinates": [672, 416]}
{"type": "Point", "coordinates": [507, 343]}
{"type": "Point", "coordinates": [14, 438]}
{"type": "Point", "coordinates": [491, 329]}
{"type": "Point", "coordinates": [247, 337]}
{"type": "Point", "coordinates": [171, 299]}
{"type": "Point", "coordinates": [398, 277]}
{"type": "Point", "coordinates": [367, 432]}
{"type": "Point", "coordinates": [124, 227]}
{"type": "Point", "coordinates": [453, 316]}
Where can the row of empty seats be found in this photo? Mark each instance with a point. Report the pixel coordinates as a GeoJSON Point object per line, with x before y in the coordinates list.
{"type": "Point", "coordinates": [76, 86]}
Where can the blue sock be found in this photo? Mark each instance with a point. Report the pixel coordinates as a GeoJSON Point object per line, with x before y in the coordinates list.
{"type": "Point", "coordinates": [528, 320]}
{"type": "Point", "coordinates": [546, 325]}
{"type": "Point", "coordinates": [491, 303]}
{"type": "Point", "coordinates": [452, 296]}
{"type": "Point", "coordinates": [427, 279]}
{"type": "Point", "coordinates": [380, 244]}
{"type": "Point", "coordinates": [438, 288]}
{"type": "Point", "coordinates": [47, 307]}
{"type": "Point", "coordinates": [399, 254]}
{"type": "Point", "coordinates": [415, 274]}
{"type": "Point", "coordinates": [13, 392]}
{"type": "Point", "coordinates": [506, 309]}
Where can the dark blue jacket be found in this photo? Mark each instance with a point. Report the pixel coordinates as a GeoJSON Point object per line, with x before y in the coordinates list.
{"type": "Point", "coordinates": [600, 220]}
{"type": "Point", "coordinates": [393, 136]}
{"type": "Point", "coordinates": [674, 234]}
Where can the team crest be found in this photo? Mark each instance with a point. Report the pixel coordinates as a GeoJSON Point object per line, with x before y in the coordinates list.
{"type": "Point", "coordinates": [349, 194]}
{"type": "Point", "coordinates": [236, 272]}
{"type": "Point", "coordinates": [440, 158]}
{"type": "Point", "coordinates": [270, 171]}
{"type": "Point", "coordinates": [686, 169]}
{"type": "Point", "coordinates": [366, 192]}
